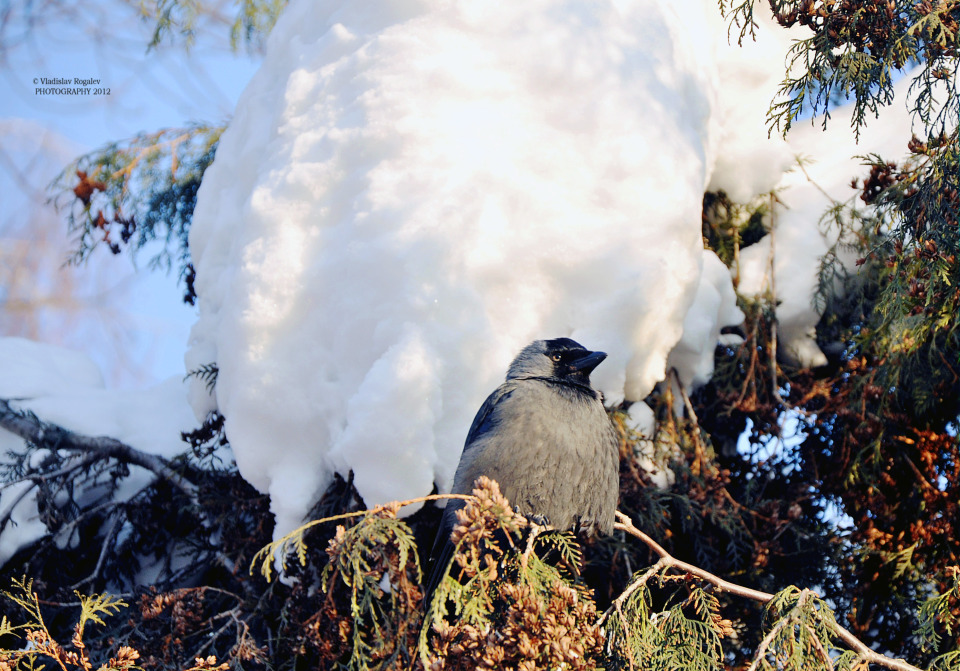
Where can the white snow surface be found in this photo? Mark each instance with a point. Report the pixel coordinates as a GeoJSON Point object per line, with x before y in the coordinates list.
{"type": "Point", "coordinates": [751, 160]}
{"type": "Point", "coordinates": [64, 387]}
{"type": "Point", "coordinates": [831, 159]}
{"type": "Point", "coordinates": [714, 306]}
{"type": "Point", "coordinates": [410, 191]}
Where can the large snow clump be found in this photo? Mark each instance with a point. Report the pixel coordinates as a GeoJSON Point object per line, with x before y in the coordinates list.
{"type": "Point", "coordinates": [412, 190]}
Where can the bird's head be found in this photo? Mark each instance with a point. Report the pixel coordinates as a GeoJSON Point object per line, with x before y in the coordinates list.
{"type": "Point", "coordinates": [560, 358]}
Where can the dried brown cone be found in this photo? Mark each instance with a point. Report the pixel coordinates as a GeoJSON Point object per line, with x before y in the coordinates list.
{"type": "Point", "coordinates": [529, 631]}
{"type": "Point", "coordinates": [479, 522]}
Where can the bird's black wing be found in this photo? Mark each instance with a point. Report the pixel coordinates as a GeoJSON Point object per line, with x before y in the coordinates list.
{"type": "Point", "coordinates": [442, 547]}
{"type": "Point", "coordinates": [482, 420]}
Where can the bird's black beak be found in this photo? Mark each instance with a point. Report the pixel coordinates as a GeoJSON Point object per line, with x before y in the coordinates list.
{"type": "Point", "coordinates": [587, 363]}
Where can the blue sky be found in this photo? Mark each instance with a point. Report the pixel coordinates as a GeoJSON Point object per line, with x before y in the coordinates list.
{"type": "Point", "coordinates": [169, 86]}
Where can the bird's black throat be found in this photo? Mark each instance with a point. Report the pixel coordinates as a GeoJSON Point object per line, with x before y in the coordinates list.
{"type": "Point", "coordinates": [580, 386]}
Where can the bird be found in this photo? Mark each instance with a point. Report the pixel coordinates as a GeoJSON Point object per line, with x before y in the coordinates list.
{"type": "Point", "coordinates": [546, 439]}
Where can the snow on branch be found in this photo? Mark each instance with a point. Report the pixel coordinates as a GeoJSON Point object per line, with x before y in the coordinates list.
{"type": "Point", "coordinates": [28, 426]}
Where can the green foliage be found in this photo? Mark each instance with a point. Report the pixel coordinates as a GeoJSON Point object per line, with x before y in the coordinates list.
{"type": "Point", "coordinates": [254, 22]}
{"type": "Point", "coordinates": [517, 602]}
{"type": "Point", "coordinates": [23, 595]}
{"type": "Point", "coordinates": [42, 645]}
{"type": "Point", "coordinates": [170, 16]}
{"type": "Point", "coordinates": [95, 605]}
{"type": "Point", "coordinates": [917, 313]}
{"type": "Point", "coordinates": [684, 633]}
{"type": "Point", "coordinates": [854, 53]}
{"type": "Point", "coordinates": [939, 625]}
{"type": "Point", "coordinates": [801, 627]}
{"type": "Point", "coordinates": [880, 419]}
{"type": "Point", "coordinates": [729, 227]}
{"type": "Point", "coordinates": [882, 430]}
{"type": "Point", "coordinates": [132, 193]}
{"type": "Point", "coordinates": [181, 19]}
{"type": "Point", "coordinates": [376, 560]}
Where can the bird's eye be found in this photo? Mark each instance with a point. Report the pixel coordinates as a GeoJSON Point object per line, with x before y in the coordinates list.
{"type": "Point", "coordinates": [556, 357]}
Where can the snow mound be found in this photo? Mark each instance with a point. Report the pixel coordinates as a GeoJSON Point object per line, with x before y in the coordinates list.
{"type": "Point", "coordinates": [714, 306]}
{"type": "Point", "coordinates": [411, 191]}
{"type": "Point", "coordinates": [750, 160]}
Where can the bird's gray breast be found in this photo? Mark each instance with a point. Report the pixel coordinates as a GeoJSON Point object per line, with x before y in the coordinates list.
{"type": "Point", "coordinates": [554, 453]}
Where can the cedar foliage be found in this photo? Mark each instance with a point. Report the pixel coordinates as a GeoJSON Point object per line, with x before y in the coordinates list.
{"type": "Point", "coordinates": [512, 599]}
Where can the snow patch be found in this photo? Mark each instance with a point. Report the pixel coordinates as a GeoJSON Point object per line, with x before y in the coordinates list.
{"type": "Point", "coordinates": [831, 159]}
{"type": "Point", "coordinates": [66, 388]}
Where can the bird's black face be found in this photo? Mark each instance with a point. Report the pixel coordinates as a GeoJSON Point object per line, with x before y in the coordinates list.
{"type": "Point", "coordinates": [571, 360]}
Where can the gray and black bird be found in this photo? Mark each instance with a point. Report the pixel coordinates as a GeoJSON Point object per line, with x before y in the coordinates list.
{"type": "Point", "coordinates": [545, 437]}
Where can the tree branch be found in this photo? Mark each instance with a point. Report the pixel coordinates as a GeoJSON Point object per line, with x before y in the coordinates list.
{"type": "Point", "coordinates": [37, 478]}
{"type": "Point", "coordinates": [625, 524]}
{"type": "Point", "coordinates": [55, 437]}
{"type": "Point", "coordinates": [631, 588]}
{"type": "Point", "coordinates": [783, 622]}
{"type": "Point", "coordinates": [7, 516]}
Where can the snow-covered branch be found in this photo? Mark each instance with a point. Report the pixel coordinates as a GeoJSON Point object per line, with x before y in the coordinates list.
{"type": "Point", "coordinates": [53, 437]}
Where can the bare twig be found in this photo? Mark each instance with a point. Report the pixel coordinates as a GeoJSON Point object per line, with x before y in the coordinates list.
{"type": "Point", "coordinates": [625, 524]}
{"type": "Point", "coordinates": [104, 549]}
{"type": "Point", "coordinates": [535, 530]}
{"type": "Point", "coordinates": [9, 514]}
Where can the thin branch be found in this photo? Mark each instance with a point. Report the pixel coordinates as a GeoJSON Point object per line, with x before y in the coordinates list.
{"type": "Point", "coordinates": [9, 514]}
{"type": "Point", "coordinates": [37, 478]}
{"type": "Point", "coordinates": [783, 622]}
{"type": "Point", "coordinates": [625, 524]}
{"type": "Point", "coordinates": [700, 454]}
{"type": "Point", "coordinates": [774, 384]}
{"type": "Point", "coordinates": [55, 437]}
{"type": "Point", "coordinates": [104, 549]}
{"type": "Point", "coordinates": [631, 588]}
{"type": "Point", "coordinates": [815, 185]}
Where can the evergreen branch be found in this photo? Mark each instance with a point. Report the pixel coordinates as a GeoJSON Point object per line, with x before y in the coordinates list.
{"type": "Point", "coordinates": [44, 477]}
{"type": "Point", "coordinates": [208, 372]}
{"type": "Point", "coordinates": [783, 622]}
{"type": "Point", "coordinates": [669, 561]}
{"type": "Point", "coordinates": [94, 606]}
{"type": "Point", "coordinates": [279, 547]}
{"type": "Point", "coordinates": [53, 437]}
{"type": "Point", "coordinates": [617, 604]}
